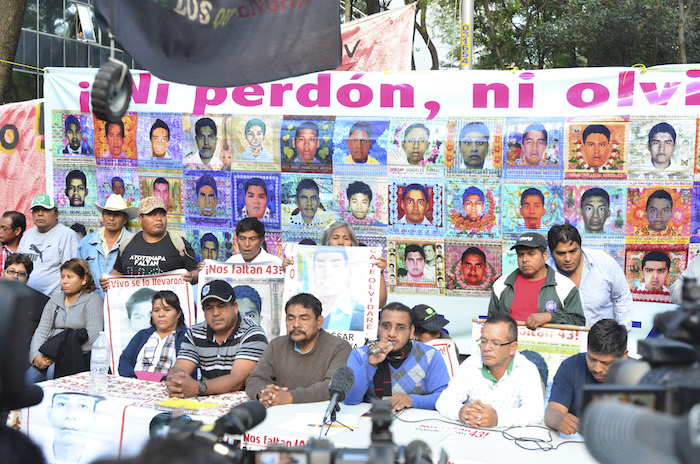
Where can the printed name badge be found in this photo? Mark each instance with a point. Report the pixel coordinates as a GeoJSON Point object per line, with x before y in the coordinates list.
{"type": "Point", "coordinates": [551, 306]}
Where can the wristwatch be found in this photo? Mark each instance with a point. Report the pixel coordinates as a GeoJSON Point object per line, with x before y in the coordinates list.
{"type": "Point", "coordinates": [202, 387]}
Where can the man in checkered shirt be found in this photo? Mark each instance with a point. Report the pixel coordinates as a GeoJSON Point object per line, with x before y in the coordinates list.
{"type": "Point", "coordinates": [410, 372]}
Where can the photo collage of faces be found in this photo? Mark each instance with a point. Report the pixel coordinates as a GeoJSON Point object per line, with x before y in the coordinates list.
{"type": "Point", "coordinates": [446, 198]}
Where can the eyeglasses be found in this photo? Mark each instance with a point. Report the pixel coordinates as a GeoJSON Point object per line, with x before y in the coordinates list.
{"type": "Point", "coordinates": [485, 343]}
{"type": "Point", "coordinates": [386, 326]}
{"type": "Point", "coordinates": [13, 273]}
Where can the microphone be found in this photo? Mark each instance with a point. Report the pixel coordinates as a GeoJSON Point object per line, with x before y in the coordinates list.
{"type": "Point", "coordinates": [338, 389]}
{"type": "Point", "coordinates": [418, 452]}
{"type": "Point", "coordinates": [241, 418]}
{"type": "Point", "coordinates": [615, 432]}
{"type": "Point", "coordinates": [378, 350]}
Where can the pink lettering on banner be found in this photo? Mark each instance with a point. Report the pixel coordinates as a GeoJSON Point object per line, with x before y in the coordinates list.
{"type": "Point", "coordinates": [241, 95]}
{"type": "Point", "coordinates": [84, 97]}
{"type": "Point", "coordinates": [601, 95]}
{"type": "Point", "coordinates": [526, 91]}
{"type": "Point", "coordinates": [202, 99]}
{"type": "Point", "coordinates": [662, 97]}
{"type": "Point", "coordinates": [322, 90]}
{"type": "Point", "coordinates": [625, 88]}
{"type": "Point", "coordinates": [348, 91]}
{"type": "Point", "coordinates": [139, 91]}
{"type": "Point", "coordinates": [692, 91]}
{"type": "Point", "coordinates": [500, 95]}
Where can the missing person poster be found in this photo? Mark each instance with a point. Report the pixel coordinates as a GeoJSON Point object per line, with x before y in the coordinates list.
{"type": "Point", "coordinates": [129, 302]}
{"type": "Point", "coordinates": [258, 290]}
{"type": "Point", "coordinates": [345, 280]}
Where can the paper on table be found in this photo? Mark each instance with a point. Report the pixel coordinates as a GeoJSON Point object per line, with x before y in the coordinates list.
{"type": "Point", "coordinates": [312, 421]}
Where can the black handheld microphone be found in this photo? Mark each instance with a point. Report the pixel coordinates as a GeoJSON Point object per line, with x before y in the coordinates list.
{"type": "Point", "coordinates": [338, 389]}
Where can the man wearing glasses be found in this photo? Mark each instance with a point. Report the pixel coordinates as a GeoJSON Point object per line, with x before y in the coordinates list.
{"type": "Point", "coordinates": [607, 342]}
{"type": "Point", "coordinates": [498, 386]}
{"type": "Point", "coordinates": [411, 373]}
{"type": "Point", "coordinates": [12, 226]}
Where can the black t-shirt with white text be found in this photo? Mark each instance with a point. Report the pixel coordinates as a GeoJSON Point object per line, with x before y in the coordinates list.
{"type": "Point", "coordinates": [142, 258]}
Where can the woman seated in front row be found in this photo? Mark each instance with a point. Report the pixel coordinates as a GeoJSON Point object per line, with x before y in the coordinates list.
{"type": "Point", "coordinates": [75, 305]}
{"type": "Point", "coordinates": [155, 349]}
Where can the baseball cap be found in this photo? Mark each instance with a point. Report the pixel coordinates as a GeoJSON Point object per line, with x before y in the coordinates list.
{"type": "Point", "coordinates": [530, 240]}
{"type": "Point", "coordinates": [44, 200]}
{"type": "Point", "coordinates": [150, 204]}
{"type": "Point", "coordinates": [427, 318]}
{"type": "Point", "coordinates": [218, 289]}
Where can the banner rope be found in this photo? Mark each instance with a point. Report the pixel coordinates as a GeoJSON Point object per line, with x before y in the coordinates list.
{"type": "Point", "coordinates": [24, 65]}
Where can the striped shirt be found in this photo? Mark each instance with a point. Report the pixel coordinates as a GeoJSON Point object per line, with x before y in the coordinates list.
{"type": "Point", "coordinates": [248, 341]}
{"type": "Point", "coordinates": [605, 293]}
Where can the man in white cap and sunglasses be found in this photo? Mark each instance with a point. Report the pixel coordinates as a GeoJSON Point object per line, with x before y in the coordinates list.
{"type": "Point", "coordinates": [48, 244]}
{"type": "Point", "coordinates": [226, 347]}
{"type": "Point", "coordinates": [100, 249]}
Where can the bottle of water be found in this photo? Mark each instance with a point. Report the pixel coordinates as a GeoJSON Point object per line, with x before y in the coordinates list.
{"type": "Point", "coordinates": [99, 365]}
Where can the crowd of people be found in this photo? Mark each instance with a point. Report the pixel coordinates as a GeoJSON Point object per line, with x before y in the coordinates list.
{"type": "Point", "coordinates": [229, 351]}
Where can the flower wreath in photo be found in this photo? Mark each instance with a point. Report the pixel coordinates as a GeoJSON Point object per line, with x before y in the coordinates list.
{"type": "Point", "coordinates": [637, 219]}
{"type": "Point", "coordinates": [374, 215]}
{"type": "Point", "coordinates": [433, 153]}
{"type": "Point", "coordinates": [455, 280]}
{"type": "Point", "coordinates": [615, 162]}
{"type": "Point", "coordinates": [485, 224]}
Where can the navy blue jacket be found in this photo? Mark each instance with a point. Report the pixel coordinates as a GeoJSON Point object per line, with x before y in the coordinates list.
{"type": "Point", "coordinates": [127, 360]}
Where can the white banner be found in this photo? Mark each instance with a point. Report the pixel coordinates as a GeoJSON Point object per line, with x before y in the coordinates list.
{"type": "Point", "coordinates": [345, 280]}
{"type": "Point", "coordinates": [127, 307]}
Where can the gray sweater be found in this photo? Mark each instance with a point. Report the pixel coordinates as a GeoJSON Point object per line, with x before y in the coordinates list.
{"type": "Point", "coordinates": [85, 313]}
{"type": "Point", "coordinates": [305, 375]}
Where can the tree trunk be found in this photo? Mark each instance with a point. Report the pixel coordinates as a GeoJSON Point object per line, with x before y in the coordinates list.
{"type": "Point", "coordinates": [348, 10]}
{"type": "Point", "coordinates": [10, 25]}
{"type": "Point", "coordinates": [422, 29]}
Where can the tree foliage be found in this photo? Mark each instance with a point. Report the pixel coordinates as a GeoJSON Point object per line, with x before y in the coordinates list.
{"type": "Point", "coordinates": [536, 34]}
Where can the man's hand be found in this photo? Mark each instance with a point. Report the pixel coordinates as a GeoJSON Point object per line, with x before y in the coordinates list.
{"type": "Point", "coordinates": [536, 320]}
{"type": "Point", "coordinates": [273, 395]}
{"type": "Point", "coordinates": [104, 283]}
{"type": "Point", "coordinates": [191, 277]}
{"type": "Point", "coordinates": [400, 401]}
{"type": "Point", "coordinates": [42, 362]}
{"type": "Point", "coordinates": [381, 263]}
{"type": "Point", "coordinates": [478, 414]}
{"type": "Point", "coordinates": [181, 385]}
{"type": "Point", "coordinates": [569, 424]}
{"type": "Point", "coordinates": [286, 262]}
{"type": "Point", "coordinates": [375, 359]}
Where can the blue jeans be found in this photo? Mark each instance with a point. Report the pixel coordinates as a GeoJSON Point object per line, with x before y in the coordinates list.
{"type": "Point", "coordinates": [34, 375]}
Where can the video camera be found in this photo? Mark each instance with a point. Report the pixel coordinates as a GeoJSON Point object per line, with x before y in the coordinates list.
{"type": "Point", "coordinates": [243, 417]}
{"type": "Point", "coordinates": [666, 380]}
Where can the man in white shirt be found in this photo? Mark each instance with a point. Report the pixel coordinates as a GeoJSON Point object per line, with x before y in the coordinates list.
{"type": "Point", "coordinates": [250, 233]}
{"type": "Point", "coordinates": [605, 293]}
{"type": "Point", "coordinates": [48, 245]}
{"type": "Point", "coordinates": [499, 386]}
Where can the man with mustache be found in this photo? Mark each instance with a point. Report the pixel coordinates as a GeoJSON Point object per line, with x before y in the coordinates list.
{"type": "Point", "coordinates": [226, 347]}
{"type": "Point", "coordinates": [76, 188]}
{"type": "Point", "coordinates": [297, 367]}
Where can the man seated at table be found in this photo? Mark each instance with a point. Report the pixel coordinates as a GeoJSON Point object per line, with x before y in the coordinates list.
{"type": "Point", "coordinates": [226, 347]}
{"type": "Point", "coordinates": [498, 386]}
{"type": "Point", "coordinates": [607, 342]}
{"type": "Point", "coordinates": [297, 367]}
{"type": "Point", "coordinates": [410, 372]}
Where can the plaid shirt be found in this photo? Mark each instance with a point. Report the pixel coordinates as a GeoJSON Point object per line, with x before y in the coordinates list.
{"type": "Point", "coordinates": [5, 253]}
{"type": "Point", "coordinates": [153, 359]}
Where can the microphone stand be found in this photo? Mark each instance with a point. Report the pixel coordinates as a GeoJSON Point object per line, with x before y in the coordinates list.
{"type": "Point", "coordinates": [333, 419]}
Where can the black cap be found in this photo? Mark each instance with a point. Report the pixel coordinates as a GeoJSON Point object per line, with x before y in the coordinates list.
{"type": "Point", "coordinates": [219, 289]}
{"type": "Point", "coordinates": [530, 240]}
{"type": "Point", "coordinates": [427, 318]}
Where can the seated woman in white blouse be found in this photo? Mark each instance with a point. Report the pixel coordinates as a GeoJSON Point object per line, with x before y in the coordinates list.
{"type": "Point", "coordinates": [155, 349]}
